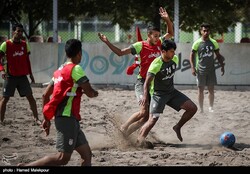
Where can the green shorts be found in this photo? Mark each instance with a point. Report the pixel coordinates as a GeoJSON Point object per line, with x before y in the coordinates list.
{"type": "Point", "coordinates": [21, 83]}
{"type": "Point", "coordinates": [69, 134]}
{"type": "Point", "coordinates": [175, 99]}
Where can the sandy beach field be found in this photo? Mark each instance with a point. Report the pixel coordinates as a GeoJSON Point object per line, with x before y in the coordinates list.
{"type": "Point", "coordinates": [21, 140]}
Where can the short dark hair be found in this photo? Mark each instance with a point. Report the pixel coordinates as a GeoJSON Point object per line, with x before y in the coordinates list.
{"type": "Point", "coordinates": [73, 47]}
{"type": "Point", "coordinates": [205, 25]}
{"type": "Point", "coordinates": [168, 44]}
{"type": "Point", "coordinates": [16, 25]}
{"type": "Point", "coordinates": [151, 28]}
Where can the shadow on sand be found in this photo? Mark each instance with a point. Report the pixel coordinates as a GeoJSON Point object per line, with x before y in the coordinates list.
{"type": "Point", "coordinates": [236, 147]}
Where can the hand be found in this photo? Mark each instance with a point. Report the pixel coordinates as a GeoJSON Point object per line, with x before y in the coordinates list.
{"type": "Point", "coordinates": [163, 13]}
{"type": "Point", "coordinates": [32, 78]}
{"type": "Point", "coordinates": [193, 71]}
{"type": "Point", "coordinates": [222, 63]}
{"type": "Point", "coordinates": [3, 75]}
{"type": "Point", "coordinates": [130, 69]}
{"type": "Point", "coordinates": [143, 101]}
{"type": "Point", "coordinates": [46, 126]}
{"type": "Point", "coordinates": [103, 37]}
{"type": "Point", "coordinates": [222, 70]}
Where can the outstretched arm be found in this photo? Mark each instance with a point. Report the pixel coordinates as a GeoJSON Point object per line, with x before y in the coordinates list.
{"type": "Point", "coordinates": [116, 50]}
{"type": "Point", "coordinates": [169, 30]}
{"type": "Point", "coordinates": [88, 90]}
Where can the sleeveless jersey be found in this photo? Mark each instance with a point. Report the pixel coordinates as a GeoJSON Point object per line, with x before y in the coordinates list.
{"type": "Point", "coordinates": [66, 95]}
{"type": "Point", "coordinates": [17, 61]}
{"type": "Point", "coordinates": [147, 54]}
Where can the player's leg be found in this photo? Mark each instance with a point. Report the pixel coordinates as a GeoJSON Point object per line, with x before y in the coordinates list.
{"type": "Point", "coordinates": [24, 89]}
{"type": "Point", "coordinates": [3, 102]}
{"type": "Point", "coordinates": [137, 118]}
{"type": "Point", "coordinates": [211, 81]}
{"type": "Point", "coordinates": [83, 148]}
{"type": "Point", "coordinates": [211, 98]}
{"type": "Point", "coordinates": [9, 87]}
{"type": "Point", "coordinates": [181, 101]}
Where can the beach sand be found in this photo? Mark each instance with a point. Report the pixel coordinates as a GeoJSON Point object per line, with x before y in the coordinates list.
{"type": "Point", "coordinates": [23, 141]}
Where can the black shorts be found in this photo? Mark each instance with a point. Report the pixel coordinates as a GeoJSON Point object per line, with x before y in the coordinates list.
{"type": "Point", "coordinates": [21, 83]}
{"type": "Point", "coordinates": [175, 99]}
{"type": "Point", "coordinates": [206, 79]}
{"type": "Point", "coordinates": [69, 134]}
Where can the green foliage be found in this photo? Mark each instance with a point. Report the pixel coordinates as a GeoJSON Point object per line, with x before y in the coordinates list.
{"type": "Point", "coordinates": [10, 10]}
{"type": "Point", "coordinates": [220, 13]}
{"type": "Point", "coordinates": [35, 11]}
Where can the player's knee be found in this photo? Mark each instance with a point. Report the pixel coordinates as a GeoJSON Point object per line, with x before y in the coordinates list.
{"type": "Point", "coordinates": [193, 108]}
{"type": "Point", "coordinates": [5, 100]}
{"type": "Point", "coordinates": [143, 120]}
{"type": "Point", "coordinates": [64, 161]}
{"type": "Point", "coordinates": [144, 114]}
{"type": "Point", "coordinates": [155, 116]}
{"type": "Point", "coordinates": [190, 107]}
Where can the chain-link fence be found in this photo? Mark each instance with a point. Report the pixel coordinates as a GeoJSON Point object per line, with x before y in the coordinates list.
{"type": "Point", "coordinates": [86, 31]}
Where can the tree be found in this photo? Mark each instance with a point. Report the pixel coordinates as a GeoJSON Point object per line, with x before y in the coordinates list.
{"type": "Point", "coordinates": [16, 11]}
{"type": "Point", "coordinates": [220, 13]}
{"type": "Point", "coordinates": [125, 13]}
{"type": "Point", "coordinates": [37, 12]}
{"type": "Point", "coordinates": [9, 10]}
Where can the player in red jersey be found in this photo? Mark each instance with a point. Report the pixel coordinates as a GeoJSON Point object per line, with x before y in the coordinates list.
{"type": "Point", "coordinates": [14, 67]}
{"type": "Point", "coordinates": [147, 50]}
{"type": "Point", "coordinates": [62, 100]}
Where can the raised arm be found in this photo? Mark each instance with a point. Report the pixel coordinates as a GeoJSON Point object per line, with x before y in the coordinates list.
{"type": "Point", "coordinates": [116, 50]}
{"type": "Point", "coordinates": [169, 30]}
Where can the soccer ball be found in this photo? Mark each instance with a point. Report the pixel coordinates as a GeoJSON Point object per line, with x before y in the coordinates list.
{"type": "Point", "coordinates": [227, 139]}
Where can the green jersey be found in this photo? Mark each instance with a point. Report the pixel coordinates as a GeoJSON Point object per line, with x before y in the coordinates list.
{"type": "Point", "coordinates": [205, 54]}
{"type": "Point", "coordinates": [163, 73]}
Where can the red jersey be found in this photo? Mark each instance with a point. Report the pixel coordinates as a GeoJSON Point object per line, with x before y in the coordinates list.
{"type": "Point", "coordinates": [66, 96]}
{"type": "Point", "coordinates": [147, 54]}
{"type": "Point", "coordinates": [17, 57]}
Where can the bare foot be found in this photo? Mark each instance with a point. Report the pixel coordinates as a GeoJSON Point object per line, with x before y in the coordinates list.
{"type": "Point", "coordinates": [122, 128]}
{"type": "Point", "coordinates": [123, 131]}
{"type": "Point", "coordinates": [20, 164]}
{"type": "Point", "coordinates": [178, 132]}
{"type": "Point", "coordinates": [144, 144]}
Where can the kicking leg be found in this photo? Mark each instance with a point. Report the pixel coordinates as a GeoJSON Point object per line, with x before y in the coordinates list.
{"type": "Point", "coordinates": [191, 109]}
